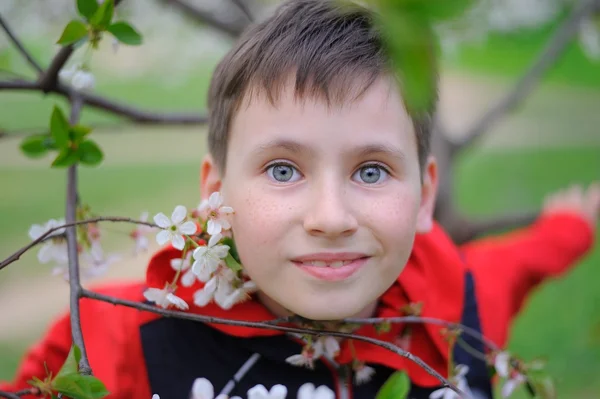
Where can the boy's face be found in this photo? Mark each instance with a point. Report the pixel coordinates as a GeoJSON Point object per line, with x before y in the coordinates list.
{"type": "Point", "coordinates": [327, 200]}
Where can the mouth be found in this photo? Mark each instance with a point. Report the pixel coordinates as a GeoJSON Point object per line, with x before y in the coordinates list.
{"type": "Point", "coordinates": [331, 266]}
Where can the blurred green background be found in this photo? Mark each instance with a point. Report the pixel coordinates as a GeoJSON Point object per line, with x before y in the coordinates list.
{"type": "Point", "coordinates": [550, 142]}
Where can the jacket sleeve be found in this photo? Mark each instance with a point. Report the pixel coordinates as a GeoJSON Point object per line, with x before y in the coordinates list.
{"type": "Point", "coordinates": [51, 351]}
{"type": "Point", "coordinates": [507, 268]}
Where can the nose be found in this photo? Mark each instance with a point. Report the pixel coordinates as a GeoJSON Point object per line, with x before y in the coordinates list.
{"type": "Point", "coordinates": [330, 213]}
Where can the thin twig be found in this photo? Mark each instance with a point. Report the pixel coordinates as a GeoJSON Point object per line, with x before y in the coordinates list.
{"type": "Point", "coordinates": [555, 47]}
{"type": "Point", "coordinates": [132, 113]}
{"type": "Point", "coordinates": [14, 257]}
{"type": "Point", "coordinates": [9, 395]}
{"type": "Point", "coordinates": [429, 320]}
{"type": "Point", "coordinates": [20, 46]}
{"type": "Point", "coordinates": [267, 325]}
{"type": "Point", "coordinates": [70, 217]}
{"type": "Point", "coordinates": [204, 17]}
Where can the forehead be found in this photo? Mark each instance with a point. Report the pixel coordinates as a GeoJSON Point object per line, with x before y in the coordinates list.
{"type": "Point", "coordinates": [375, 113]}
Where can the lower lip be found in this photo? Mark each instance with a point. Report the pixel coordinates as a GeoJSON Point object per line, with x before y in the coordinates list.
{"type": "Point", "coordinates": [330, 274]}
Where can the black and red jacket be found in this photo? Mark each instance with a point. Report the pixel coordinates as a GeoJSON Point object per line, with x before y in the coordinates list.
{"type": "Point", "coordinates": [482, 285]}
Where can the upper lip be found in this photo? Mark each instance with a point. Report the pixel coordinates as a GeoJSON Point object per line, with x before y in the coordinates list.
{"type": "Point", "coordinates": [330, 256]}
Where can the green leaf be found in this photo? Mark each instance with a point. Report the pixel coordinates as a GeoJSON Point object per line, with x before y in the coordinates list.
{"type": "Point", "coordinates": [72, 385]}
{"type": "Point", "coordinates": [89, 153]}
{"type": "Point", "coordinates": [59, 128]}
{"type": "Point", "coordinates": [79, 132]}
{"type": "Point", "coordinates": [396, 387]}
{"type": "Point", "coordinates": [87, 8]}
{"type": "Point", "coordinates": [125, 33]}
{"type": "Point", "coordinates": [411, 45]}
{"type": "Point", "coordinates": [66, 157]}
{"type": "Point", "coordinates": [103, 15]}
{"type": "Point", "coordinates": [232, 263]}
{"type": "Point", "coordinates": [96, 387]}
{"type": "Point", "coordinates": [71, 364]}
{"type": "Point", "coordinates": [232, 248]}
{"type": "Point", "coordinates": [74, 32]}
{"type": "Point", "coordinates": [34, 146]}
{"type": "Point", "coordinates": [431, 10]}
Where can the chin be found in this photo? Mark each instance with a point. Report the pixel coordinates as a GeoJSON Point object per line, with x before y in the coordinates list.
{"type": "Point", "coordinates": [324, 312]}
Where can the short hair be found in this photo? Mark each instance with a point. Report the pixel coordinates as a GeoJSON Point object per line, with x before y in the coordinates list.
{"type": "Point", "coordinates": [333, 50]}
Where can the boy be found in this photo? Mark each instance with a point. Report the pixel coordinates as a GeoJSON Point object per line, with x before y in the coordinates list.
{"type": "Point", "coordinates": [333, 189]}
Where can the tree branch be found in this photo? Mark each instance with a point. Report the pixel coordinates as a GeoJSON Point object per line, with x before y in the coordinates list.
{"type": "Point", "coordinates": [49, 80]}
{"type": "Point", "coordinates": [132, 113]}
{"type": "Point", "coordinates": [15, 256]}
{"type": "Point", "coordinates": [201, 16]}
{"type": "Point", "coordinates": [70, 217]}
{"type": "Point", "coordinates": [21, 47]}
{"type": "Point", "coordinates": [555, 47]}
{"type": "Point", "coordinates": [268, 325]}
{"type": "Point", "coordinates": [9, 395]}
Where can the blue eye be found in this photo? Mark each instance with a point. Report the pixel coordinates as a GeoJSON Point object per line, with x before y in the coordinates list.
{"type": "Point", "coordinates": [283, 173]}
{"type": "Point", "coordinates": [371, 174]}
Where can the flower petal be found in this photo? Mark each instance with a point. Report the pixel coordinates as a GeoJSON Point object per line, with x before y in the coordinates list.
{"type": "Point", "coordinates": [45, 253]}
{"type": "Point", "coordinates": [187, 280]}
{"type": "Point", "coordinates": [213, 227]}
{"type": "Point", "coordinates": [214, 240]}
{"type": "Point", "coordinates": [178, 241]}
{"type": "Point", "coordinates": [226, 210]}
{"type": "Point", "coordinates": [501, 364]}
{"type": "Point", "coordinates": [297, 360]}
{"type": "Point", "coordinates": [163, 237]}
{"type": "Point", "coordinates": [188, 228]}
{"type": "Point", "coordinates": [199, 252]}
{"type": "Point", "coordinates": [178, 302]}
{"type": "Point", "coordinates": [179, 214]}
{"type": "Point", "coordinates": [36, 231]}
{"type": "Point", "coordinates": [202, 388]}
{"type": "Point", "coordinates": [438, 394]}
{"type": "Point", "coordinates": [176, 263]}
{"type": "Point", "coordinates": [323, 392]}
{"type": "Point", "coordinates": [162, 220]}
{"type": "Point", "coordinates": [221, 251]}
{"type": "Point", "coordinates": [215, 200]}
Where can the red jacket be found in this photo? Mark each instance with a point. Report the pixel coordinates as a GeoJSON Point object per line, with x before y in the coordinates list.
{"type": "Point", "coordinates": [505, 270]}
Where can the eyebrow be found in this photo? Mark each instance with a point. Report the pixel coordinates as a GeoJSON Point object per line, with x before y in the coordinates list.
{"type": "Point", "coordinates": [289, 145]}
{"type": "Point", "coordinates": [361, 152]}
{"type": "Point", "coordinates": [381, 149]}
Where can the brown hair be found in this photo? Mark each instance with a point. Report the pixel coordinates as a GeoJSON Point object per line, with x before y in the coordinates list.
{"type": "Point", "coordinates": [334, 50]}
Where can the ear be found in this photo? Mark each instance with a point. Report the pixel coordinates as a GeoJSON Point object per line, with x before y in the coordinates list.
{"type": "Point", "coordinates": [210, 177]}
{"type": "Point", "coordinates": [429, 189]}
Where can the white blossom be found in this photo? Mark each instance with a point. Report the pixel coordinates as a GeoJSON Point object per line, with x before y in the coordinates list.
{"type": "Point", "coordinates": [187, 277]}
{"type": "Point", "coordinates": [512, 384]}
{"type": "Point", "coordinates": [502, 364]}
{"type": "Point", "coordinates": [77, 76]}
{"type": "Point", "coordinates": [308, 391]}
{"type": "Point", "coordinates": [218, 287]}
{"type": "Point", "coordinates": [208, 257]}
{"type": "Point", "coordinates": [460, 380]}
{"type": "Point", "coordinates": [330, 346]}
{"type": "Point", "coordinates": [215, 213]}
{"type": "Point", "coordinates": [165, 298]}
{"type": "Point", "coordinates": [139, 235]}
{"type": "Point", "coordinates": [155, 396]}
{"type": "Point", "coordinates": [175, 228]}
{"type": "Point", "coordinates": [239, 295]}
{"type": "Point", "coordinates": [260, 392]}
{"type": "Point", "coordinates": [307, 358]}
{"type": "Point", "coordinates": [54, 247]}
{"type": "Point", "coordinates": [363, 374]}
